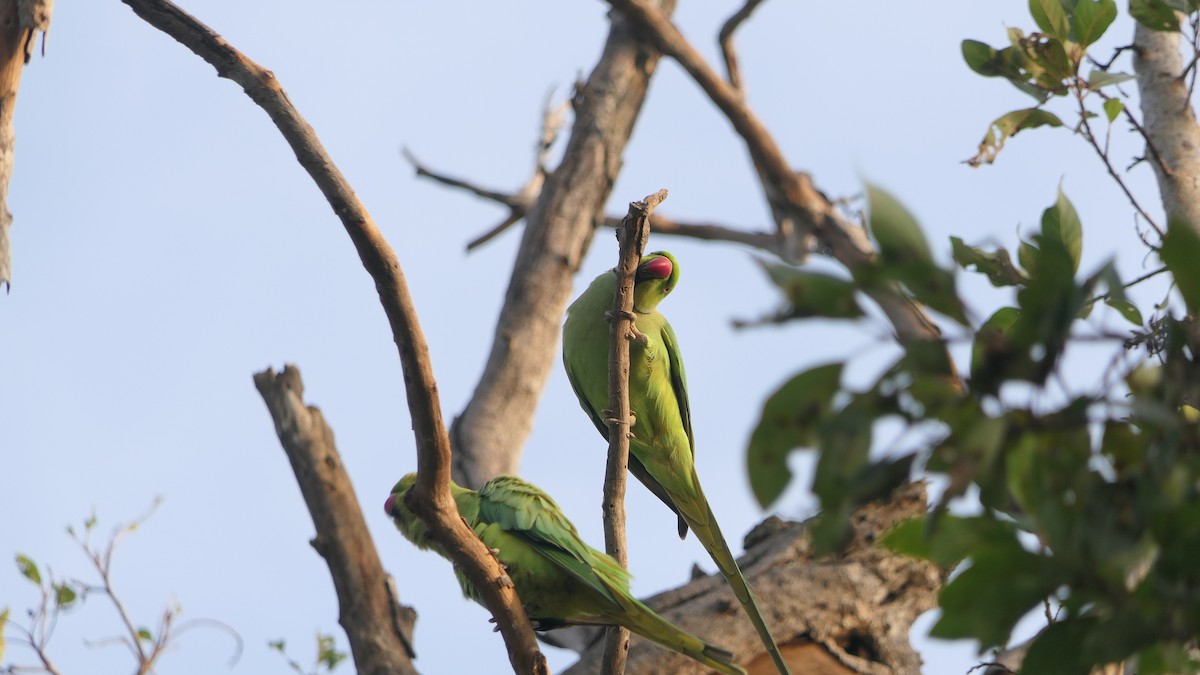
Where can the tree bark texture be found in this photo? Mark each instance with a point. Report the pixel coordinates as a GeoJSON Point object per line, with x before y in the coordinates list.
{"type": "Point", "coordinates": [1170, 123]}
{"type": "Point", "coordinates": [849, 614]}
{"type": "Point", "coordinates": [378, 627]}
{"type": "Point", "coordinates": [490, 433]}
{"type": "Point", "coordinates": [19, 22]}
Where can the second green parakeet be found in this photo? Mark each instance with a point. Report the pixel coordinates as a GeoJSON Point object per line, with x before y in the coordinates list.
{"type": "Point", "coordinates": [662, 448]}
{"type": "Point", "coordinates": [561, 580]}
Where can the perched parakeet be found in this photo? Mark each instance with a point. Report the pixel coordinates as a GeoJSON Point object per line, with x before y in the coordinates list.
{"type": "Point", "coordinates": [561, 580]}
{"type": "Point", "coordinates": [661, 449]}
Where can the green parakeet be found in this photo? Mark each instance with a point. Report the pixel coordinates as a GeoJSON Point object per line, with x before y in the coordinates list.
{"type": "Point", "coordinates": [662, 448]}
{"type": "Point", "coordinates": [561, 580]}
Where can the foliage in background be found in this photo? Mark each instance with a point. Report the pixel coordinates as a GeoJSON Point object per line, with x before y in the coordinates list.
{"type": "Point", "coordinates": [328, 655]}
{"type": "Point", "coordinates": [60, 596]}
{"type": "Point", "coordinates": [1090, 498]}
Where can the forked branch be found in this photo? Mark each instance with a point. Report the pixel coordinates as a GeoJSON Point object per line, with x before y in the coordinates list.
{"type": "Point", "coordinates": [432, 500]}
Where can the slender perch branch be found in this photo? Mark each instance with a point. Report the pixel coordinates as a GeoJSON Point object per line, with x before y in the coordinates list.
{"type": "Point", "coordinates": [431, 496]}
{"type": "Point", "coordinates": [379, 631]}
{"type": "Point", "coordinates": [632, 235]}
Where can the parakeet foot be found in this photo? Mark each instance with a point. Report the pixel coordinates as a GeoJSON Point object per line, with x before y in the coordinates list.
{"type": "Point", "coordinates": [634, 333]}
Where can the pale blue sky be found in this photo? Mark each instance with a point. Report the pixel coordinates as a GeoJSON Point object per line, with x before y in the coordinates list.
{"type": "Point", "coordinates": [167, 246]}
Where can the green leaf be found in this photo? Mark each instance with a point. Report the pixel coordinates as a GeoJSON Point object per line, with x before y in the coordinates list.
{"type": "Point", "coordinates": [1116, 297]}
{"type": "Point", "coordinates": [1027, 255]}
{"type": "Point", "coordinates": [1010, 124]}
{"type": "Point", "coordinates": [1102, 78]}
{"type": "Point", "coordinates": [3, 625]}
{"type": "Point", "coordinates": [1050, 17]}
{"type": "Point", "coordinates": [1058, 649]}
{"type": "Point", "coordinates": [28, 569]}
{"type": "Point", "coordinates": [1090, 19]}
{"type": "Point", "coordinates": [64, 595]}
{"type": "Point", "coordinates": [981, 58]}
{"type": "Point", "coordinates": [1180, 252]}
{"type": "Point", "coordinates": [278, 645]}
{"type": "Point", "coordinates": [985, 601]}
{"type": "Point", "coordinates": [327, 653]}
{"type": "Point", "coordinates": [895, 229]}
{"type": "Point", "coordinates": [992, 339]}
{"type": "Point", "coordinates": [1113, 108]}
{"type": "Point", "coordinates": [813, 293]}
{"type": "Point", "coordinates": [1126, 309]}
{"type": "Point", "coordinates": [844, 440]}
{"type": "Point", "coordinates": [144, 634]}
{"type": "Point", "coordinates": [788, 421]}
{"type": "Point", "coordinates": [1061, 222]}
{"type": "Point", "coordinates": [1154, 14]}
{"type": "Point", "coordinates": [997, 265]}
{"type": "Point", "coordinates": [949, 541]}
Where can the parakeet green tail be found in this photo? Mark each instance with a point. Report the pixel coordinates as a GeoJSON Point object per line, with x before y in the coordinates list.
{"type": "Point", "coordinates": [561, 580]}
{"type": "Point", "coordinates": [662, 447]}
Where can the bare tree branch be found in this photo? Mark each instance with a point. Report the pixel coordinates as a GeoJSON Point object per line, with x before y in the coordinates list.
{"type": "Point", "coordinates": [765, 241]}
{"type": "Point", "coordinates": [432, 501]}
{"type": "Point", "coordinates": [343, 540]}
{"type": "Point", "coordinates": [632, 236]}
{"type": "Point", "coordinates": [792, 196]}
{"type": "Point", "coordinates": [490, 432]}
{"type": "Point", "coordinates": [1169, 121]}
{"type": "Point", "coordinates": [725, 39]}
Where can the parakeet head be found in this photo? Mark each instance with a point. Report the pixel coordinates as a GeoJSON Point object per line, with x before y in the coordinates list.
{"type": "Point", "coordinates": [406, 521]}
{"type": "Point", "coordinates": [656, 276]}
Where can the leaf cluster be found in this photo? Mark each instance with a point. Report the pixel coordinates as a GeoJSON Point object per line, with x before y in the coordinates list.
{"type": "Point", "coordinates": [1090, 501]}
{"type": "Point", "coordinates": [1048, 63]}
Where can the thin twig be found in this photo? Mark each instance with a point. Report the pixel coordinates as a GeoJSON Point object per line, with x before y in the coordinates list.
{"type": "Point", "coordinates": [432, 501]}
{"type": "Point", "coordinates": [512, 218]}
{"type": "Point", "coordinates": [1090, 136]}
{"type": "Point", "coordinates": [508, 200]}
{"type": "Point", "coordinates": [632, 236]}
{"type": "Point", "coordinates": [725, 39]}
{"type": "Point", "coordinates": [764, 241]}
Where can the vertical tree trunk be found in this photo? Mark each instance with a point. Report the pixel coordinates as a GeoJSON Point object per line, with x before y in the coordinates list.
{"type": "Point", "coordinates": [489, 435]}
{"type": "Point", "coordinates": [12, 59]}
{"type": "Point", "coordinates": [1173, 139]}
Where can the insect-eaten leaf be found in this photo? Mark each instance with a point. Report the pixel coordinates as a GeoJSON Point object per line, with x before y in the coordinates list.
{"type": "Point", "coordinates": [1010, 124]}
{"type": "Point", "coordinates": [788, 421]}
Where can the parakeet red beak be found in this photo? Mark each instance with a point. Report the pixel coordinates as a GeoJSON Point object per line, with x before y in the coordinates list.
{"type": "Point", "coordinates": [654, 268]}
{"type": "Point", "coordinates": [387, 505]}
